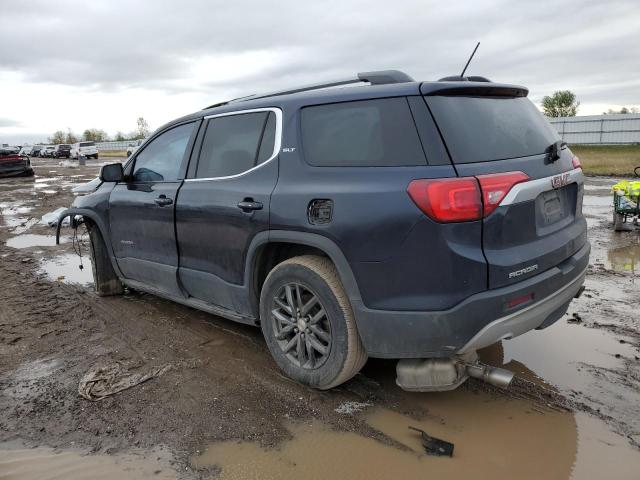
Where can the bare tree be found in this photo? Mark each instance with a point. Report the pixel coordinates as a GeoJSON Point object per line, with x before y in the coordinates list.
{"type": "Point", "coordinates": [143, 128]}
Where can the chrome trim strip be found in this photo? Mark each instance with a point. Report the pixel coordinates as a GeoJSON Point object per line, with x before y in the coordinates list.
{"type": "Point", "coordinates": [522, 192]}
{"type": "Point", "coordinates": [522, 321]}
{"type": "Point", "coordinates": [276, 144]}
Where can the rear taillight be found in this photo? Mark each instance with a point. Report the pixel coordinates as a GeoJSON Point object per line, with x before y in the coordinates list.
{"type": "Point", "coordinates": [448, 199]}
{"type": "Point", "coordinates": [575, 161]}
{"type": "Point", "coordinates": [463, 199]}
{"type": "Point", "coordinates": [495, 187]}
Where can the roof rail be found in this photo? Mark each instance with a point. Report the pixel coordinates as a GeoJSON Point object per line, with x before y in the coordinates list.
{"type": "Point", "coordinates": [382, 77]}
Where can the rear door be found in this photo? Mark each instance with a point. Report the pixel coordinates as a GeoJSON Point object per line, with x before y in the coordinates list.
{"type": "Point", "coordinates": [538, 223]}
{"type": "Point", "coordinates": [142, 211]}
{"type": "Point", "coordinates": [225, 202]}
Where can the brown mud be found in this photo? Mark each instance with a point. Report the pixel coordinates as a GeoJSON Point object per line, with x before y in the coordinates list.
{"type": "Point", "coordinates": [225, 410]}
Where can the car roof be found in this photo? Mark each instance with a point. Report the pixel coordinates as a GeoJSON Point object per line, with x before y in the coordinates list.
{"type": "Point", "coordinates": [293, 101]}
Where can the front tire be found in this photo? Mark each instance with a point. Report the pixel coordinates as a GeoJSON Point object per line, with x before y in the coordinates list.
{"type": "Point", "coordinates": [105, 280]}
{"type": "Point", "coordinates": [308, 323]}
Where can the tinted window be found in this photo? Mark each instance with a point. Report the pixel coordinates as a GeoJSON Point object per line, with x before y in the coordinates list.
{"type": "Point", "coordinates": [477, 129]}
{"type": "Point", "coordinates": [87, 144]}
{"type": "Point", "coordinates": [162, 157]}
{"type": "Point", "coordinates": [364, 133]}
{"type": "Point", "coordinates": [231, 144]}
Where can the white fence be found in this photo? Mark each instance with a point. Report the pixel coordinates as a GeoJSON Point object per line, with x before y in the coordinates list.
{"type": "Point", "coordinates": [116, 145]}
{"type": "Point", "coordinates": [599, 129]}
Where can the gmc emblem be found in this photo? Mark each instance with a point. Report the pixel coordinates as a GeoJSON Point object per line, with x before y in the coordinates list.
{"type": "Point", "coordinates": [560, 180]}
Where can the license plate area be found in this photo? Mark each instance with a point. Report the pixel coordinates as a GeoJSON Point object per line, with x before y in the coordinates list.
{"type": "Point", "coordinates": [555, 208]}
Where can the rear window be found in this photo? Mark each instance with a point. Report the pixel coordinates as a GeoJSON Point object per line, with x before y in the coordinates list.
{"type": "Point", "coordinates": [478, 129]}
{"type": "Point", "coordinates": [87, 144]}
{"type": "Point", "coordinates": [370, 133]}
{"type": "Point", "coordinates": [232, 144]}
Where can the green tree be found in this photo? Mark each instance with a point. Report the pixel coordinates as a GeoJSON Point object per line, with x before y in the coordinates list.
{"type": "Point", "coordinates": [95, 135]}
{"type": "Point", "coordinates": [120, 137]}
{"type": "Point", "coordinates": [57, 137]}
{"type": "Point", "coordinates": [562, 103]}
{"type": "Point", "coordinates": [143, 128]}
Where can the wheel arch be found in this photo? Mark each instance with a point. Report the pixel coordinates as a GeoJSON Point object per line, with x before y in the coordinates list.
{"type": "Point", "coordinates": [272, 247]}
{"type": "Point", "coordinates": [94, 218]}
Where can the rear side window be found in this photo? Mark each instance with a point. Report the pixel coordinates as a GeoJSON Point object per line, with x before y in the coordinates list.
{"type": "Point", "coordinates": [235, 143]}
{"type": "Point", "coordinates": [369, 133]}
{"type": "Point", "coordinates": [478, 129]}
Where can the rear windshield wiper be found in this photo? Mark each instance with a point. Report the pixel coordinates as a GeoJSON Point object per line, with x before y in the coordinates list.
{"type": "Point", "coordinates": [553, 150]}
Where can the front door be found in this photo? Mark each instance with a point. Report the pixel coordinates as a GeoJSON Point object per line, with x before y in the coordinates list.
{"type": "Point", "coordinates": [142, 211]}
{"type": "Point", "coordinates": [225, 202]}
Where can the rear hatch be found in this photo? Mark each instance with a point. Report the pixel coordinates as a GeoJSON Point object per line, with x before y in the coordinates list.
{"type": "Point", "coordinates": [532, 222]}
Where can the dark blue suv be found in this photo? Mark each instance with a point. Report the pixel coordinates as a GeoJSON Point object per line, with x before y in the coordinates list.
{"type": "Point", "coordinates": [398, 219]}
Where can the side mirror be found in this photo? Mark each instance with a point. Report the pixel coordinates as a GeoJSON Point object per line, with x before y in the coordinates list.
{"type": "Point", "coordinates": [112, 172]}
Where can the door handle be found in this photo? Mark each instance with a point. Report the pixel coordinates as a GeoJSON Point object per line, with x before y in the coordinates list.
{"type": "Point", "coordinates": [163, 201]}
{"type": "Point", "coordinates": [248, 205]}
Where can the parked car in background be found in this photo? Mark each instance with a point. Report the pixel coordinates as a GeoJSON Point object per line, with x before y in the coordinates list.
{"type": "Point", "coordinates": [133, 147]}
{"type": "Point", "coordinates": [11, 148]}
{"type": "Point", "coordinates": [13, 164]}
{"type": "Point", "coordinates": [87, 149]}
{"type": "Point", "coordinates": [62, 150]}
{"type": "Point", "coordinates": [35, 150]}
{"type": "Point", "coordinates": [418, 221]}
{"type": "Point", "coordinates": [26, 150]}
{"type": "Point", "coordinates": [47, 151]}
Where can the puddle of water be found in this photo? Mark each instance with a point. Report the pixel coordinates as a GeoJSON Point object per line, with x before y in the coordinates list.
{"type": "Point", "coordinates": [624, 259]}
{"type": "Point", "coordinates": [493, 437]}
{"type": "Point", "coordinates": [32, 240]}
{"type": "Point", "coordinates": [65, 268]}
{"type": "Point", "coordinates": [24, 226]}
{"type": "Point", "coordinates": [26, 374]}
{"type": "Point", "coordinates": [49, 464]}
{"type": "Point", "coordinates": [10, 210]}
{"type": "Point", "coordinates": [558, 354]}
{"type": "Point", "coordinates": [12, 222]}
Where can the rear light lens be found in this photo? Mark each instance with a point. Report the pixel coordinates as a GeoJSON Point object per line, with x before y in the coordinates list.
{"type": "Point", "coordinates": [495, 187]}
{"type": "Point", "coordinates": [514, 302]}
{"type": "Point", "coordinates": [575, 161]}
{"type": "Point", "coordinates": [463, 199]}
{"type": "Point", "coordinates": [448, 199]}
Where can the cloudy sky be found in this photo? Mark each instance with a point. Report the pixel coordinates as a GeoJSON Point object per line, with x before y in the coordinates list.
{"type": "Point", "coordinates": [101, 64]}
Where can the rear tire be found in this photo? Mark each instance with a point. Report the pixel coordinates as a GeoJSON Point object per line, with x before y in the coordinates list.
{"type": "Point", "coordinates": [105, 280]}
{"type": "Point", "coordinates": [326, 350]}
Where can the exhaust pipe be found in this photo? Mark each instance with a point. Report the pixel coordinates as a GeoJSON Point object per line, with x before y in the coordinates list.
{"type": "Point", "coordinates": [441, 374]}
{"type": "Point", "coordinates": [498, 377]}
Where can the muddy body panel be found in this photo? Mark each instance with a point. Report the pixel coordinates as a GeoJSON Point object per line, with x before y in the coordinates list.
{"type": "Point", "coordinates": [331, 170]}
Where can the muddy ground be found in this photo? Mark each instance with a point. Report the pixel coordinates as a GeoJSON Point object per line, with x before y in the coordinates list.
{"type": "Point", "coordinates": [222, 409]}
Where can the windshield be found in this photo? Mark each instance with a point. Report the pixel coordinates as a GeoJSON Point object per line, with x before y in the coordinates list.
{"type": "Point", "coordinates": [478, 129]}
{"type": "Point", "coordinates": [87, 144]}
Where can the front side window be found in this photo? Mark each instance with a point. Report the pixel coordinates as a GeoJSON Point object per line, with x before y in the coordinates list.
{"type": "Point", "coordinates": [233, 144]}
{"type": "Point", "coordinates": [161, 159]}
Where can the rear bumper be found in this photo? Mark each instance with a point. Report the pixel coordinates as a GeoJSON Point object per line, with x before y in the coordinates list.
{"type": "Point", "coordinates": [478, 321]}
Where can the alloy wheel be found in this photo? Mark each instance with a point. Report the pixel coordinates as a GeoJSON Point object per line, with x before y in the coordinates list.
{"type": "Point", "coordinates": [301, 326]}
